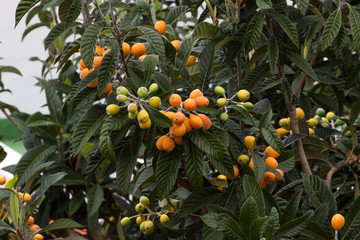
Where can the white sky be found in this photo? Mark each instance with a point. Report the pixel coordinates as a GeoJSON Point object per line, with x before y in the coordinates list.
{"type": "Point", "coordinates": [26, 96]}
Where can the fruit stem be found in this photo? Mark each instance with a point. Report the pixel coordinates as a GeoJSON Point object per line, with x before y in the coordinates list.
{"type": "Point", "coordinates": [336, 235]}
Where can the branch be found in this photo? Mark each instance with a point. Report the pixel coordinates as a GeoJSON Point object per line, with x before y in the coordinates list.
{"type": "Point", "coordinates": [87, 18]}
{"type": "Point", "coordinates": [13, 123]}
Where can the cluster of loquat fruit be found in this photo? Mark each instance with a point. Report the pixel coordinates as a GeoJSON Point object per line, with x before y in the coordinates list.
{"type": "Point", "coordinates": [181, 123]}
{"type": "Point", "coordinates": [146, 220]}
{"type": "Point", "coordinates": [132, 102]}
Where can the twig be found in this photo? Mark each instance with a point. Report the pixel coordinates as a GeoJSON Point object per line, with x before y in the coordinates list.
{"type": "Point", "coordinates": [13, 123]}
{"type": "Point", "coordinates": [87, 18]}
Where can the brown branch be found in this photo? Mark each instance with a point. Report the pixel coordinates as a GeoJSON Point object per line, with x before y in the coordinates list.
{"type": "Point", "coordinates": [13, 123]}
{"type": "Point", "coordinates": [87, 18]}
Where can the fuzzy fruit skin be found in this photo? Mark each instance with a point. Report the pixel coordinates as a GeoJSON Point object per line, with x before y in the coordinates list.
{"type": "Point", "coordinates": [243, 95]}
{"type": "Point", "coordinates": [160, 26]}
{"type": "Point", "coordinates": [138, 49]}
{"type": "Point", "coordinates": [337, 221]}
{"type": "Point", "coordinates": [320, 112]}
{"type": "Point", "coordinates": [30, 221]}
{"type": "Point", "coordinates": [145, 201]}
{"type": "Point", "coordinates": [142, 226]}
{"type": "Point", "coordinates": [126, 48]}
{"type": "Point", "coordinates": [121, 98]}
{"type": "Point", "coordinates": [324, 120]}
{"type": "Point", "coordinates": [224, 117]}
{"type": "Point", "coordinates": [248, 105]}
{"type": "Point", "coordinates": [132, 108]}
{"type": "Point", "coordinates": [221, 102]}
{"type": "Point", "coordinates": [249, 142]}
{"type": "Point", "coordinates": [269, 176]}
{"type": "Point", "coordinates": [139, 208]}
{"type": "Point", "coordinates": [145, 125]}
{"type": "Point", "coordinates": [329, 115]}
{"type": "Point", "coordinates": [271, 162]}
{"type": "Point", "coordinates": [164, 219]}
{"type": "Point", "coordinates": [122, 90]}
{"type": "Point", "coordinates": [339, 122]}
{"type": "Point", "coordinates": [175, 100]}
{"type": "Point", "coordinates": [159, 142]}
{"type": "Point", "coordinates": [284, 122]}
{"type": "Point", "coordinates": [133, 115]}
{"type": "Point", "coordinates": [219, 90]}
{"type": "Point", "coordinates": [191, 61]}
{"type": "Point", "coordinates": [281, 132]}
{"type": "Point", "coordinates": [155, 102]}
{"type": "Point", "coordinates": [143, 116]}
{"type": "Point", "coordinates": [149, 227]}
{"type": "Point", "coordinates": [142, 92]}
{"type": "Point", "coordinates": [38, 237]}
{"type": "Point", "coordinates": [270, 152]}
{"type": "Point", "coordinates": [176, 44]}
{"type": "Point", "coordinates": [313, 122]}
{"type": "Point", "coordinates": [27, 197]}
{"type": "Point", "coordinates": [2, 180]}
{"type": "Point", "coordinates": [300, 114]}
{"type": "Point", "coordinates": [139, 220]}
{"type": "Point", "coordinates": [281, 173]}
{"type": "Point", "coordinates": [154, 87]}
{"type": "Point", "coordinates": [125, 221]}
{"type": "Point", "coordinates": [311, 132]}
{"type": "Point", "coordinates": [112, 109]}
{"type": "Point", "coordinates": [243, 159]}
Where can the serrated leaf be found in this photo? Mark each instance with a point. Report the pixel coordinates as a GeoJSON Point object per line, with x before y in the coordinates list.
{"type": "Point", "coordinates": [352, 220]}
{"type": "Point", "coordinates": [207, 143]}
{"type": "Point", "coordinates": [246, 117]}
{"type": "Point", "coordinates": [315, 231]}
{"type": "Point", "coordinates": [22, 8]}
{"type": "Point", "coordinates": [5, 227]}
{"type": "Point", "coordinates": [175, 13]}
{"type": "Point", "coordinates": [171, 232]}
{"type": "Point", "coordinates": [256, 76]}
{"type": "Point", "coordinates": [303, 5]}
{"type": "Point", "coordinates": [331, 29]}
{"type": "Point", "coordinates": [257, 228]}
{"type": "Point", "coordinates": [10, 69]}
{"type": "Point", "coordinates": [107, 68]}
{"type": "Point", "coordinates": [155, 40]}
{"type": "Point", "coordinates": [194, 164]}
{"type": "Point", "coordinates": [204, 30]}
{"type": "Point", "coordinates": [54, 33]}
{"type": "Point", "coordinates": [31, 172]}
{"type": "Point", "coordinates": [273, 139]}
{"type": "Point", "coordinates": [14, 209]}
{"type": "Point", "coordinates": [273, 223]}
{"type": "Point", "coordinates": [73, 12]}
{"type": "Point", "coordinates": [209, 233]}
{"type": "Point", "coordinates": [291, 208]}
{"type": "Point", "coordinates": [68, 52]}
{"type": "Point", "coordinates": [296, 226]}
{"type": "Point", "coordinates": [254, 31]}
{"type": "Point", "coordinates": [167, 167]}
{"type": "Point", "coordinates": [224, 223]}
{"type": "Point", "coordinates": [252, 188]}
{"type": "Point", "coordinates": [273, 53]}
{"type": "Point", "coordinates": [124, 168]}
{"type": "Point", "coordinates": [286, 160]}
{"type": "Point", "coordinates": [64, 9]}
{"type": "Point", "coordinates": [259, 167]}
{"type": "Point", "coordinates": [47, 181]}
{"type": "Point", "coordinates": [184, 52]}
{"type": "Point", "coordinates": [158, 118]}
{"type": "Point", "coordinates": [86, 127]}
{"type": "Point", "coordinates": [354, 19]}
{"type": "Point", "coordinates": [89, 41]}
{"type": "Point", "coordinates": [61, 223]}
{"type": "Point", "coordinates": [53, 101]}
{"type": "Point", "coordinates": [75, 203]}
{"type": "Point", "coordinates": [206, 64]}
{"type": "Point", "coordinates": [248, 214]}
{"type": "Point", "coordinates": [264, 4]}
{"type": "Point", "coordinates": [301, 63]}
{"type": "Point", "coordinates": [149, 65]}
{"type": "Point", "coordinates": [31, 28]}
{"type": "Point", "coordinates": [95, 198]}
{"type": "Point", "coordinates": [265, 119]}
{"type": "Point", "coordinates": [288, 27]}
{"type": "Point", "coordinates": [37, 120]}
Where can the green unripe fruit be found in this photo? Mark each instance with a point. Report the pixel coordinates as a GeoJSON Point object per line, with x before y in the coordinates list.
{"type": "Point", "coordinates": [224, 117]}
{"type": "Point", "coordinates": [153, 87]}
{"type": "Point", "coordinates": [324, 120]}
{"type": "Point", "coordinates": [219, 90]}
{"type": "Point", "coordinates": [132, 116]}
{"type": "Point", "coordinates": [221, 102]}
{"type": "Point", "coordinates": [155, 102]}
{"type": "Point", "coordinates": [329, 115]}
{"type": "Point", "coordinates": [164, 219]}
{"type": "Point", "coordinates": [143, 116]}
{"type": "Point", "coordinates": [142, 226]}
{"type": "Point", "coordinates": [132, 108]}
{"type": "Point", "coordinates": [122, 90]}
{"type": "Point", "coordinates": [320, 112]}
{"type": "Point", "coordinates": [284, 122]}
{"type": "Point", "coordinates": [149, 226]}
{"type": "Point", "coordinates": [139, 220]}
{"type": "Point", "coordinates": [317, 117]}
{"type": "Point", "coordinates": [145, 201]}
{"type": "Point", "coordinates": [243, 95]}
{"type": "Point", "coordinates": [313, 122]}
{"type": "Point", "coordinates": [121, 98]}
{"type": "Point", "coordinates": [142, 92]}
{"type": "Point", "coordinates": [125, 221]}
{"type": "Point", "coordinates": [339, 122]}
{"type": "Point", "coordinates": [112, 109]}
{"type": "Point", "coordinates": [139, 207]}
{"type": "Point", "coordinates": [249, 105]}
{"type": "Point", "coordinates": [348, 133]}
{"type": "Point", "coordinates": [325, 125]}
{"type": "Point", "coordinates": [243, 159]}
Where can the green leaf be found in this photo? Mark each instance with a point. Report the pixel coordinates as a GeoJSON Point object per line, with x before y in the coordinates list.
{"type": "Point", "coordinates": [146, 178]}
{"type": "Point", "coordinates": [204, 30]}
{"type": "Point", "coordinates": [206, 64]}
{"type": "Point", "coordinates": [315, 231]}
{"type": "Point", "coordinates": [286, 160]}
{"type": "Point", "coordinates": [32, 158]}
{"type": "Point", "coordinates": [265, 119]}
{"type": "Point", "coordinates": [62, 223]}
{"type": "Point", "coordinates": [175, 13]}
{"type": "Point", "coordinates": [286, 89]}
{"type": "Point", "coordinates": [194, 164]}
{"type": "Point", "coordinates": [216, 208]}
{"type": "Point", "coordinates": [158, 118]}
{"type": "Point", "coordinates": [86, 127]}
{"type": "Point", "coordinates": [294, 227]}
{"type": "Point", "coordinates": [207, 143]}
{"type": "Point", "coordinates": [37, 119]}
{"type": "Point", "coordinates": [257, 228]}
{"type": "Point", "coordinates": [224, 223]}
{"type": "Point", "coordinates": [155, 40]}
{"type": "Point", "coordinates": [259, 167]}
{"type": "Point", "coordinates": [209, 233]}
{"type": "Point", "coordinates": [75, 203]}
{"type": "Point", "coordinates": [352, 220]}
{"type": "Point", "coordinates": [95, 197]}
{"type": "Point", "coordinates": [22, 8]}
{"type": "Point", "coordinates": [273, 139]}
{"type": "Point", "coordinates": [354, 19]}
{"type": "Point", "coordinates": [264, 4]}
{"type": "Point", "coordinates": [291, 208]}
{"type": "Point", "coordinates": [255, 77]}
{"type": "Point", "coordinates": [301, 63]}
{"type": "Point", "coordinates": [273, 54]}
{"type": "Point", "coordinates": [10, 69]}
{"type": "Point", "coordinates": [136, 141]}
{"type": "Point", "coordinates": [184, 52]}
{"type": "Point", "coordinates": [53, 101]}
{"type": "Point", "coordinates": [248, 214]}
{"type": "Point", "coordinates": [246, 117]}
{"type": "Point", "coordinates": [89, 41]}
{"type": "Point", "coordinates": [149, 65]}
{"type": "Point", "coordinates": [197, 200]}
{"type": "Point", "coordinates": [167, 167]}
{"type": "Point", "coordinates": [254, 31]}
{"type": "Point", "coordinates": [68, 52]}
{"type": "Point", "coordinates": [32, 172]}
{"type": "Point", "coordinates": [171, 232]}
{"type": "Point", "coordinates": [252, 188]}
{"type": "Point", "coordinates": [14, 209]}
{"type": "Point", "coordinates": [47, 181]}
{"type": "Point", "coordinates": [5, 227]}
{"type": "Point", "coordinates": [288, 26]}
{"type": "Point", "coordinates": [124, 168]}
{"type": "Point", "coordinates": [107, 68]}
{"type": "Point", "coordinates": [319, 193]}
{"type": "Point", "coordinates": [73, 12]}
{"type": "Point", "coordinates": [54, 33]}
{"type": "Point", "coordinates": [331, 29]}
{"type": "Point", "coordinates": [273, 223]}
{"type": "Point", "coordinates": [303, 5]}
